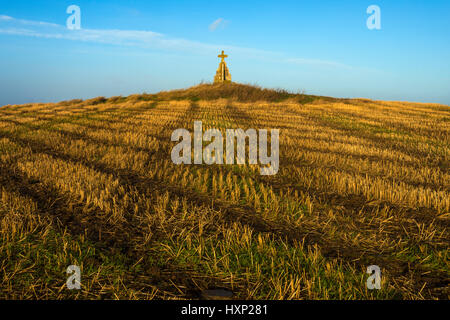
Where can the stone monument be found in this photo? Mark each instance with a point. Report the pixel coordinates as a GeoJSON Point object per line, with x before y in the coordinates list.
{"type": "Point", "coordinates": [222, 74]}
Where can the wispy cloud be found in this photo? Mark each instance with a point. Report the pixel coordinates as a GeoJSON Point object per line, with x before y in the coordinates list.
{"type": "Point", "coordinates": [137, 38]}
{"type": "Point", "coordinates": [147, 39]}
{"type": "Point", "coordinates": [318, 62]}
{"type": "Point", "coordinates": [27, 22]}
{"type": "Point", "coordinates": [218, 23]}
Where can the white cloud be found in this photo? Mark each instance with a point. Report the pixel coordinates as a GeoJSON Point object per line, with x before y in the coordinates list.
{"type": "Point", "coordinates": [147, 39]}
{"type": "Point", "coordinates": [12, 26]}
{"type": "Point", "coordinates": [318, 62]}
{"type": "Point", "coordinates": [218, 23]}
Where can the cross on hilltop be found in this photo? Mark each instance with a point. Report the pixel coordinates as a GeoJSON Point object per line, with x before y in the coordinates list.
{"type": "Point", "coordinates": [222, 73]}
{"type": "Point", "coordinates": [223, 56]}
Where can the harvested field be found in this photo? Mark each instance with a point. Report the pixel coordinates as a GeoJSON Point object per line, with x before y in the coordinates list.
{"type": "Point", "coordinates": [91, 183]}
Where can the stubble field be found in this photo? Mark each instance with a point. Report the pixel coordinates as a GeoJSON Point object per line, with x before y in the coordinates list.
{"type": "Point", "coordinates": [91, 183]}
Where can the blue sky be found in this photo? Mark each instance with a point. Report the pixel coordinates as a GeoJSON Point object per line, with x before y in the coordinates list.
{"type": "Point", "coordinates": [130, 46]}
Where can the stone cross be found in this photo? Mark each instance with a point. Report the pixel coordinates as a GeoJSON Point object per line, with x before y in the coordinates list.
{"type": "Point", "coordinates": [222, 73]}
{"type": "Point", "coordinates": [223, 56]}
